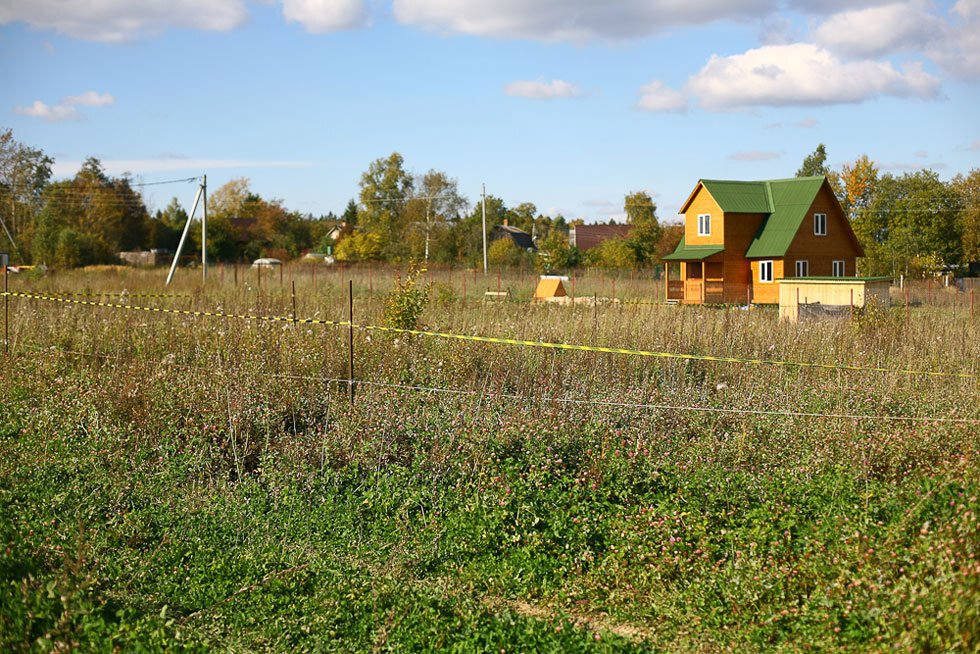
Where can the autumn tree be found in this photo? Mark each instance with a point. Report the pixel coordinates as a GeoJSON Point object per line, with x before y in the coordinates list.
{"type": "Point", "coordinates": [89, 219]}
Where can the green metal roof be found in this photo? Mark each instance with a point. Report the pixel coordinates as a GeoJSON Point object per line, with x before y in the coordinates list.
{"type": "Point", "coordinates": [791, 198]}
{"type": "Point", "coordinates": [785, 201]}
{"type": "Point", "coordinates": [686, 252]}
{"type": "Point", "coordinates": [739, 197]}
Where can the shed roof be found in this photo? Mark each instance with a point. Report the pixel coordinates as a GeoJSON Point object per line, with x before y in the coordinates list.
{"type": "Point", "coordinates": [685, 252]}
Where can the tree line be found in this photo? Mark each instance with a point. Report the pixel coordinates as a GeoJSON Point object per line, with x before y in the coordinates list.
{"type": "Point", "coordinates": [914, 224]}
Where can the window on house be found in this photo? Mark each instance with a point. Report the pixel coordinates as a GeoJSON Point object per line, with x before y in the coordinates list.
{"type": "Point", "coordinates": [765, 271]}
{"type": "Point", "coordinates": [838, 269]}
{"type": "Point", "coordinates": [704, 224]}
{"type": "Point", "coordinates": [820, 224]}
{"type": "Point", "coordinates": [802, 268]}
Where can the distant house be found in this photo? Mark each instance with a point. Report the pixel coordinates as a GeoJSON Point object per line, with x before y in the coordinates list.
{"type": "Point", "coordinates": [741, 237]}
{"type": "Point", "coordinates": [520, 238]}
{"type": "Point", "coordinates": [586, 237]}
{"type": "Point", "coordinates": [340, 230]}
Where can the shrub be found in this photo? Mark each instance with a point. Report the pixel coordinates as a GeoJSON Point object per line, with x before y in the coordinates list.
{"type": "Point", "coordinates": [404, 305]}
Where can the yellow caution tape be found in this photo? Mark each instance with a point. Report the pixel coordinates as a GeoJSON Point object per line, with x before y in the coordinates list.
{"type": "Point", "coordinates": [506, 341]}
{"type": "Point", "coordinates": [124, 295]}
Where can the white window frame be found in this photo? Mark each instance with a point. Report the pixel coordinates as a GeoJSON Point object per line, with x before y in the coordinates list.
{"type": "Point", "coordinates": [819, 224]}
{"type": "Point", "coordinates": [704, 224]}
{"type": "Point", "coordinates": [843, 268]}
{"type": "Point", "coordinates": [765, 266]}
{"type": "Point", "coordinates": [802, 270]}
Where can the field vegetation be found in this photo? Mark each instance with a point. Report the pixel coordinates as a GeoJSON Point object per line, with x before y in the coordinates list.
{"type": "Point", "coordinates": [174, 482]}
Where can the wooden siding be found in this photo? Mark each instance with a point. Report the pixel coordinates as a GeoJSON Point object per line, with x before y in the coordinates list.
{"type": "Point", "coordinates": [704, 203]}
{"type": "Point", "coordinates": [766, 292]}
{"type": "Point", "coordinates": [740, 228]}
{"type": "Point", "coordinates": [821, 251]}
{"type": "Point", "coordinates": [839, 293]}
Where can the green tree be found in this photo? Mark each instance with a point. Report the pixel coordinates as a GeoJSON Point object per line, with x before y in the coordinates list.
{"type": "Point", "coordinates": [615, 253]}
{"type": "Point", "coordinates": [468, 232]}
{"type": "Point", "coordinates": [100, 210]}
{"type": "Point", "coordinates": [433, 208]}
{"type": "Point", "coordinates": [350, 213]}
{"type": "Point", "coordinates": [815, 163]}
{"type": "Point", "coordinates": [641, 213]}
{"type": "Point", "coordinates": [24, 173]}
{"type": "Point", "coordinates": [555, 254]}
{"type": "Point", "coordinates": [916, 225]}
{"type": "Point", "coordinates": [503, 252]}
{"type": "Point", "coordinates": [968, 189]}
{"type": "Point", "coordinates": [385, 186]}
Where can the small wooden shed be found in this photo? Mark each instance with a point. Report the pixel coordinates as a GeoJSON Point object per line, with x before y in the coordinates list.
{"type": "Point", "coordinates": [800, 297]}
{"type": "Point", "coordinates": [549, 286]}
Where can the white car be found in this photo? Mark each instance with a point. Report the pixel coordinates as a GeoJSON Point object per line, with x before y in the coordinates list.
{"type": "Point", "coordinates": [266, 263]}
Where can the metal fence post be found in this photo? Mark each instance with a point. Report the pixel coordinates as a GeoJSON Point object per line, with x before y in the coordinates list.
{"type": "Point", "coordinates": [350, 340]}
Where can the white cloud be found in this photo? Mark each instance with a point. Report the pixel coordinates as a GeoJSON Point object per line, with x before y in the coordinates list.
{"type": "Point", "coordinates": [958, 52]}
{"type": "Point", "coordinates": [975, 146]}
{"type": "Point", "coordinates": [65, 110]}
{"type": "Point", "coordinates": [120, 21]}
{"type": "Point", "coordinates": [170, 164]}
{"type": "Point", "coordinates": [807, 123]}
{"type": "Point", "coordinates": [753, 155]}
{"type": "Point", "coordinates": [320, 16]}
{"type": "Point", "coordinates": [50, 113]}
{"type": "Point", "coordinates": [878, 31]}
{"type": "Point", "coordinates": [802, 74]}
{"type": "Point", "coordinates": [657, 96]}
{"type": "Point", "coordinates": [921, 153]}
{"type": "Point", "coordinates": [539, 89]}
{"type": "Point", "coordinates": [953, 41]}
{"type": "Point", "coordinates": [89, 99]}
{"type": "Point", "coordinates": [571, 20]}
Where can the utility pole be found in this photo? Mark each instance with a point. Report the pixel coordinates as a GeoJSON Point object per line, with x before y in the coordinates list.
{"type": "Point", "coordinates": [183, 236]}
{"type": "Point", "coordinates": [484, 229]}
{"type": "Point", "coordinates": [204, 229]}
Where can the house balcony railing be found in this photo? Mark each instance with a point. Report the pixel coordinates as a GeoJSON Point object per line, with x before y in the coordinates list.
{"type": "Point", "coordinates": [675, 290]}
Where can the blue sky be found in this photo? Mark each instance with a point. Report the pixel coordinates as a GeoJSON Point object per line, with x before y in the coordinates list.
{"type": "Point", "coordinates": [568, 104]}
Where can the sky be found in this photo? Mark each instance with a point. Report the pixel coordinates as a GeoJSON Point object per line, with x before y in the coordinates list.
{"type": "Point", "coordinates": [568, 104]}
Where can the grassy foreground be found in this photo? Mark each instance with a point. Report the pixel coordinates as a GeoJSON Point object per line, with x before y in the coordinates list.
{"type": "Point", "coordinates": [178, 483]}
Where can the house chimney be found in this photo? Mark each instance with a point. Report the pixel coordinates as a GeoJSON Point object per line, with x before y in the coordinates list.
{"type": "Point", "coordinates": [505, 222]}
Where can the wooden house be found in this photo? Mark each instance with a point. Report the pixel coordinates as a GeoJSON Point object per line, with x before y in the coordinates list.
{"type": "Point", "coordinates": [586, 237]}
{"type": "Point", "coordinates": [520, 238]}
{"type": "Point", "coordinates": [740, 237]}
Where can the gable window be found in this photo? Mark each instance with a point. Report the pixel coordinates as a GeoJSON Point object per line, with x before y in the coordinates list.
{"type": "Point", "coordinates": [819, 224]}
{"type": "Point", "coordinates": [838, 270]}
{"type": "Point", "coordinates": [802, 268]}
{"type": "Point", "coordinates": [765, 271]}
{"type": "Point", "coordinates": [704, 224]}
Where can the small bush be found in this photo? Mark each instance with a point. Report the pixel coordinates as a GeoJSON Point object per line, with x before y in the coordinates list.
{"type": "Point", "coordinates": [404, 305]}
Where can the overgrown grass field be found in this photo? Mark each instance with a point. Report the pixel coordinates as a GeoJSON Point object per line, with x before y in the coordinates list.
{"type": "Point", "coordinates": [173, 482]}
